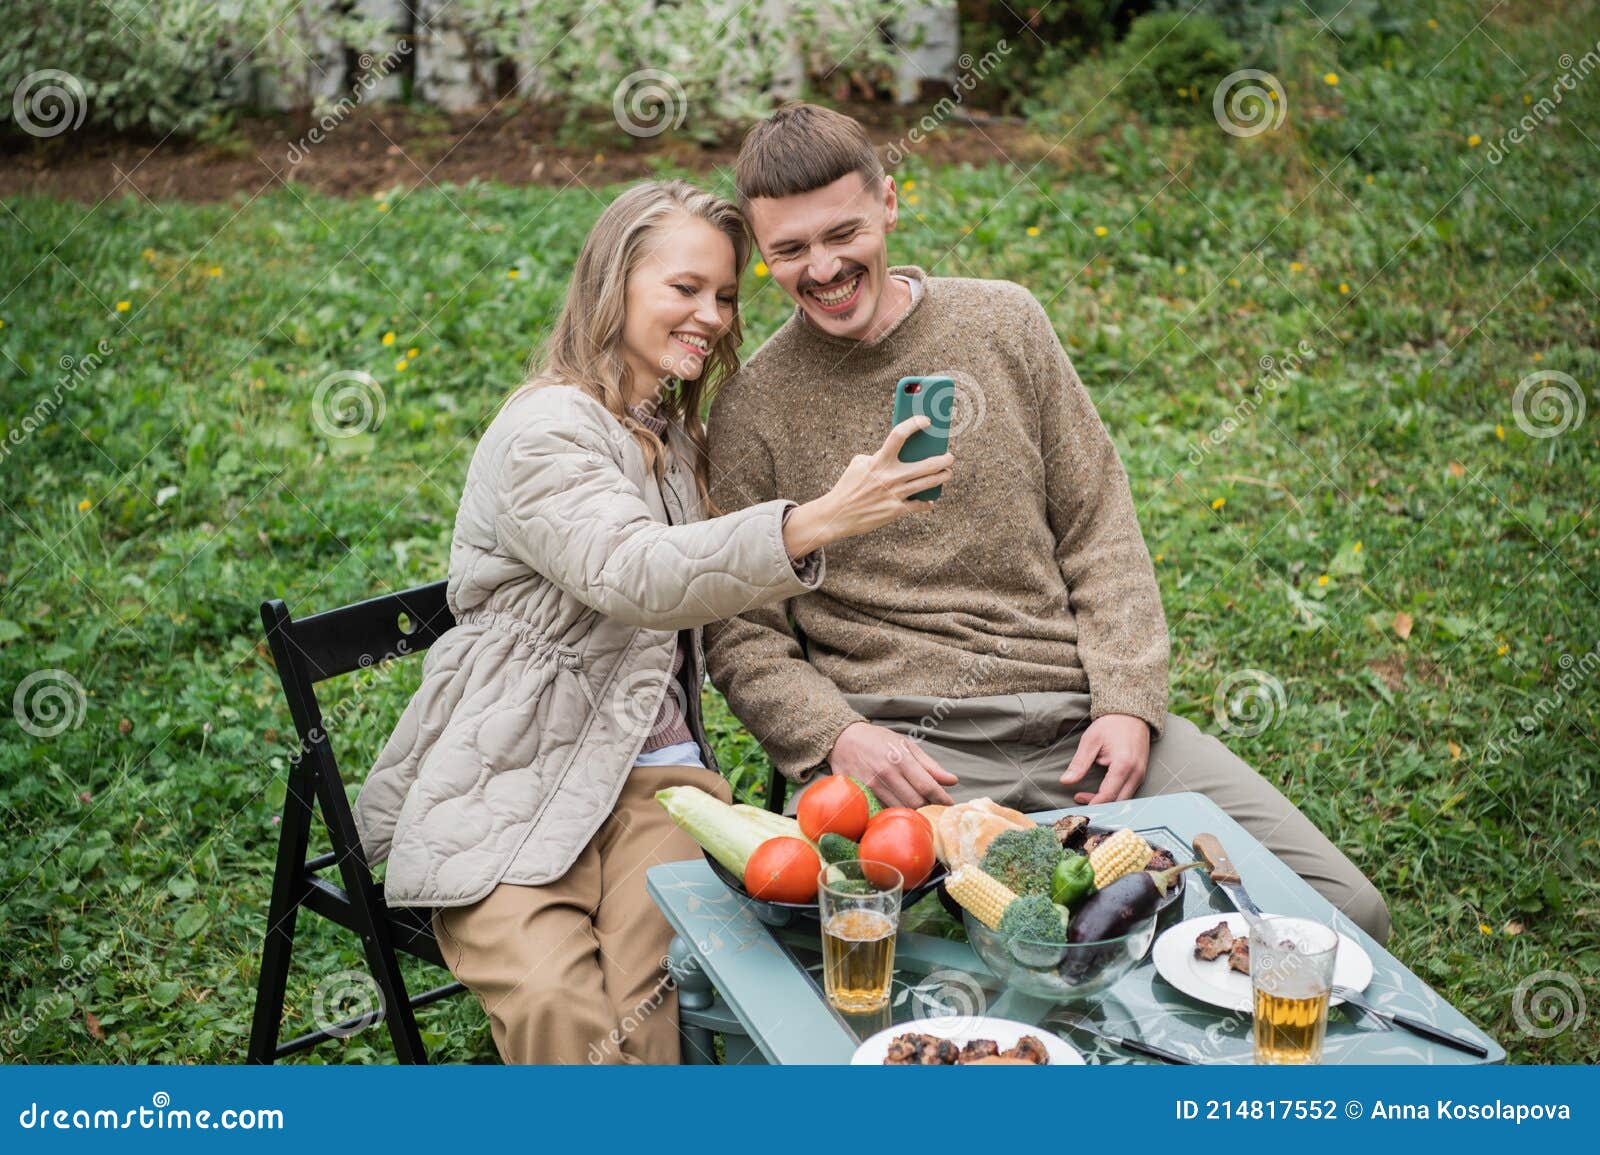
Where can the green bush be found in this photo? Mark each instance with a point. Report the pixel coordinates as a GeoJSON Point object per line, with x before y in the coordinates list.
{"type": "Point", "coordinates": [1172, 62]}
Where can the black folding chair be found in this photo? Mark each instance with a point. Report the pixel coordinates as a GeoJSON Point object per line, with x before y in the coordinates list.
{"type": "Point", "coordinates": [307, 651]}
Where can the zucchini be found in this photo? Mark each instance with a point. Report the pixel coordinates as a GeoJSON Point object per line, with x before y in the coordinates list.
{"type": "Point", "coordinates": [728, 836]}
{"type": "Point", "coordinates": [776, 825]}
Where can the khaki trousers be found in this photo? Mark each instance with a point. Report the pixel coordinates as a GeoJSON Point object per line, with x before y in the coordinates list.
{"type": "Point", "coordinates": [1014, 747]}
{"type": "Point", "coordinates": [571, 972]}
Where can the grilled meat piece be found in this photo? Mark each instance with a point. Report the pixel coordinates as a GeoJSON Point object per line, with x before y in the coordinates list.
{"type": "Point", "coordinates": [1161, 860]}
{"type": "Point", "coordinates": [1093, 840]}
{"type": "Point", "coordinates": [979, 1049]}
{"type": "Point", "coordinates": [903, 1050]}
{"type": "Point", "coordinates": [939, 1053]}
{"type": "Point", "coordinates": [1070, 831]}
{"type": "Point", "coordinates": [1030, 1049]}
{"type": "Point", "coordinates": [1239, 955]}
{"type": "Point", "coordinates": [1218, 940]}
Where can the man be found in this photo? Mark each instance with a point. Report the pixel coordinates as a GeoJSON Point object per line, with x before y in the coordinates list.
{"type": "Point", "coordinates": [1011, 643]}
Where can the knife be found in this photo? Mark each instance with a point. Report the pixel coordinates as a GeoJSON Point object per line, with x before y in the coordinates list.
{"type": "Point", "coordinates": [1150, 1050]}
{"type": "Point", "coordinates": [1208, 847]}
{"type": "Point", "coordinates": [1415, 1026]}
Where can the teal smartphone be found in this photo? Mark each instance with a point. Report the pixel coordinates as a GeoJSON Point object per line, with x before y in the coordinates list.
{"type": "Point", "coordinates": [936, 397]}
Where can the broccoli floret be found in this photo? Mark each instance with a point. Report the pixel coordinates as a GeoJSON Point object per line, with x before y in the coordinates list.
{"type": "Point", "coordinates": [1024, 859]}
{"type": "Point", "coordinates": [1033, 918]}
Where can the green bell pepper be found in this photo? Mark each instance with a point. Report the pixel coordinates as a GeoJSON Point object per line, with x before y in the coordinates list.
{"type": "Point", "coordinates": [1072, 881]}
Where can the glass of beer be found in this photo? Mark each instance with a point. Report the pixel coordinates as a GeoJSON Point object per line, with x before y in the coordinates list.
{"type": "Point", "coordinates": [1291, 975]}
{"type": "Point", "coordinates": [859, 904]}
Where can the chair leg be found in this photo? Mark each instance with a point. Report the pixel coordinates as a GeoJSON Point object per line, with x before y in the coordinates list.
{"type": "Point", "coordinates": [373, 923]}
{"type": "Point", "coordinates": [277, 947]}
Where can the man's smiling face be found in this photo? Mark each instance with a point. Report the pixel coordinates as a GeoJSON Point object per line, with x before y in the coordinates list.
{"type": "Point", "coordinates": [828, 249]}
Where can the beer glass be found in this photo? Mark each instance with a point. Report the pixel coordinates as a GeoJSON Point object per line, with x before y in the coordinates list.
{"type": "Point", "coordinates": [859, 905]}
{"type": "Point", "coordinates": [1291, 975]}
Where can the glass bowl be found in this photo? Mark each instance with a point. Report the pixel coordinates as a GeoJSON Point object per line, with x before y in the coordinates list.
{"type": "Point", "coordinates": [1064, 973]}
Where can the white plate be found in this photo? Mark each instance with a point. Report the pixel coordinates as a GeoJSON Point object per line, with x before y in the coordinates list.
{"type": "Point", "coordinates": [961, 1029]}
{"type": "Point", "coordinates": [1217, 983]}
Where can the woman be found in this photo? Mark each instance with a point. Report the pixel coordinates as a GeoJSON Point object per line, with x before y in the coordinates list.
{"type": "Point", "coordinates": [516, 794]}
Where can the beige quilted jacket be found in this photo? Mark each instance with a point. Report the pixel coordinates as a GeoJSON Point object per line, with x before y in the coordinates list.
{"type": "Point", "coordinates": [571, 573]}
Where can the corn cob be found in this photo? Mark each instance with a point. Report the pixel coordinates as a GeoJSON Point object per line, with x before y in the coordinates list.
{"type": "Point", "coordinates": [980, 893]}
{"type": "Point", "coordinates": [1121, 854]}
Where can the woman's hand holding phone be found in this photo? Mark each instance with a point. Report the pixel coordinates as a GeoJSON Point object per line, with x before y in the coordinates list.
{"type": "Point", "coordinates": [874, 490]}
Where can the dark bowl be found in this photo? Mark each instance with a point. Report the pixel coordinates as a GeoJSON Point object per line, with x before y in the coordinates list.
{"type": "Point", "coordinates": [784, 913]}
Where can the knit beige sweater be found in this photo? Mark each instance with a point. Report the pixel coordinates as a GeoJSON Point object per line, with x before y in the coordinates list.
{"type": "Point", "coordinates": [1029, 575]}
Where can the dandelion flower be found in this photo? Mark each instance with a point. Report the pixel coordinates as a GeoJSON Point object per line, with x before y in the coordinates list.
{"type": "Point", "coordinates": [910, 199]}
{"type": "Point", "coordinates": [1356, 548]}
{"type": "Point", "coordinates": [400, 365]}
{"type": "Point", "coordinates": [1474, 140]}
{"type": "Point", "coordinates": [214, 271]}
{"type": "Point", "coordinates": [1434, 24]}
{"type": "Point", "coordinates": [1500, 432]}
{"type": "Point", "coordinates": [1344, 287]}
{"type": "Point", "coordinates": [1502, 650]}
{"type": "Point", "coordinates": [1296, 267]}
{"type": "Point", "coordinates": [909, 185]}
{"type": "Point", "coordinates": [123, 306]}
{"type": "Point", "coordinates": [1219, 503]}
{"type": "Point", "coordinates": [383, 206]}
{"type": "Point", "coordinates": [1323, 580]}
{"type": "Point", "coordinates": [84, 505]}
{"type": "Point", "coordinates": [1033, 230]}
{"type": "Point", "coordinates": [1538, 356]}
{"type": "Point", "coordinates": [513, 274]}
{"type": "Point", "coordinates": [148, 254]}
{"type": "Point", "coordinates": [1483, 927]}
{"type": "Point", "coordinates": [1100, 230]}
{"type": "Point", "coordinates": [761, 268]}
{"type": "Point", "coordinates": [1330, 78]}
{"type": "Point", "coordinates": [411, 354]}
{"type": "Point", "coordinates": [388, 339]}
{"type": "Point", "coordinates": [1182, 269]}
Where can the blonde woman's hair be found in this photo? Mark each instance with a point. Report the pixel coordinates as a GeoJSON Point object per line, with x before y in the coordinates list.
{"type": "Point", "coordinates": [584, 348]}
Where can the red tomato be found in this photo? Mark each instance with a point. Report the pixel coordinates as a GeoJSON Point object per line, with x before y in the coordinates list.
{"type": "Point", "coordinates": [783, 870]}
{"type": "Point", "coordinates": [833, 805]}
{"type": "Point", "coordinates": [892, 813]}
{"type": "Point", "coordinates": [905, 845]}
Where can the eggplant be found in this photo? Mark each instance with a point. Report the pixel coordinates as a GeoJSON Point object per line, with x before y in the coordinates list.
{"type": "Point", "coordinates": [1112, 912]}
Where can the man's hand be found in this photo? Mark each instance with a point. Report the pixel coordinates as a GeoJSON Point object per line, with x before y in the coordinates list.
{"type": "Point", "coordinates": [897, 770]}
{"type": "Point", "coordinates": [1119, 742]}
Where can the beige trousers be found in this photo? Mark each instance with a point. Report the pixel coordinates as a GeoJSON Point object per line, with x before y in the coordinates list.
{"type": "Point", "coordinates": [1014, 748]}
{"type": "Point", "coordinates": [571, 972]}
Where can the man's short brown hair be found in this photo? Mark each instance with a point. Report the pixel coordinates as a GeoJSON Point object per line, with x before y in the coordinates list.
{"type": "Point", "coordinates": [799, 148]}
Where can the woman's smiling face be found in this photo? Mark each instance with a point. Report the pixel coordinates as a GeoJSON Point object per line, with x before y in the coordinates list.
{"type": "Point", "coordinates": [680, 300]}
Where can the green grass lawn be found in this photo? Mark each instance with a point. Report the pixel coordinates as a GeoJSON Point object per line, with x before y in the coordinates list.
{"type": "Point", "coordinates": [1370, 519]}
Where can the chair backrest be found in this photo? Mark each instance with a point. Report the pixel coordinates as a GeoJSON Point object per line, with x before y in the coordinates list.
{"type": "Point", "coordinates": [355, 637]}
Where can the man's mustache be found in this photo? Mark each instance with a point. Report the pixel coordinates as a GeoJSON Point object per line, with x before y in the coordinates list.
{"type": "Point", "coordinates": [843, 275]}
